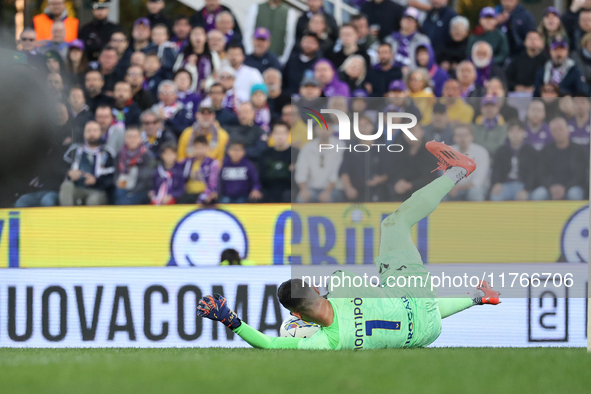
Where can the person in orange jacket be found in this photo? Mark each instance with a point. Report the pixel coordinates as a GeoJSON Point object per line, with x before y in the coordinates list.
{"type": "Point", "coordinates": [56, 10]}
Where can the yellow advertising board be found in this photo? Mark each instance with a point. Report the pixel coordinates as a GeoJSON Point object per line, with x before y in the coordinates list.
{"type": "Point", "coordinates": [185, 235]}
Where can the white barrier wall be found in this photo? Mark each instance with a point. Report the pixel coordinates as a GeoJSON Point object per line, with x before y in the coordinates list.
{"type": "Point", "coordinates": [155, 307]}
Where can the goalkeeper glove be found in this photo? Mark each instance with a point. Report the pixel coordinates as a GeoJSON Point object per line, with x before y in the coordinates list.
{"type": "Point", "coordinates": [216, 309]}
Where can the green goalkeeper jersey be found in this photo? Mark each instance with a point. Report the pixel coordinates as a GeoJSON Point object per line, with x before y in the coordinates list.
{"type": "Point", "coordinates": [364, 318]}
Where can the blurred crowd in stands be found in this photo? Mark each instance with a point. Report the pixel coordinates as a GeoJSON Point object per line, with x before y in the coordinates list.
{"type": "Point", "coordinates": [199, 109]}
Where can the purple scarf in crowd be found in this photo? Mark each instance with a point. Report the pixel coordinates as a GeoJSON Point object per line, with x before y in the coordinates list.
{"type": "Point", "coordinates": [209, 18]}
{"type": "Point", "coordinates": [402, 55]}
{"type": "Point", "coordinates": [128, 158]}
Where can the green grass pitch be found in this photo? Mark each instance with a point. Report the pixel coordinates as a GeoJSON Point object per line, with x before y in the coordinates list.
{"type": "Point", "coordinates": [448, 370]}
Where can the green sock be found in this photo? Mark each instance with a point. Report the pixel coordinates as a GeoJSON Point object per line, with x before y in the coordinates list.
{"type": "Point", "coordinates": [449, 306]}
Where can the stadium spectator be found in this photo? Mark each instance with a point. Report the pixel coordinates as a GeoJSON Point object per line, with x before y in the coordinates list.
{"type": "Point", "coordinates": [520, 77]}
{"type": "Point", "coordinates": [168, 179]}
{"type": "Point", "coordinates": [425, 58]}
{"type": "Point", "coordinates": [537, 130]}
{"type": "Point", "coordinates": [156, 14]}
{"type": "Point", "coordinates": [141, 34]}
{"type": "Point", "coordinates": [560, 173]}
{"type": "Point", "coordinates": [320, 29]}
{"type": "Point", "coordinates": [44, 180]}
{"type": "Point", "coordinates": [482, 58]}
{"type": "Point", "coordinates": [57, 42]}
{"type": "Point", "coordinates": [79, 112]}
{"type": "Point", "coordinates": [165, 49]}
{"type": "Point", "coordinates": [302, 60]}
{"type": "Point", "coordinates": [55, 85]}
{"type": "Point", "coordinates": [93, 84]}
{"type": "Point", "coordinates": [239, 181]}
{"type": "Point", "coordinates": [245, 77]}
{"type": "Point", "coordinates": [316, 172]}
{"type": "Point", "coordinates": [405, 42]}
{"type": "Point", "coordinates": [486, 31]}
{"type": "Point", "coordinates": [489, 129]}
{"type": "Point", "coordinates": [551, 28]}
{"type": "Point", "coordinates": [275, 166]}
{"type": "Point", "coordinates": [76, 62]}
{"type": "Point", "coordinates": [55, 64]}
{"type": "Point", "coordinates": [106, 65]}
{"type": "Point", "coordinates": [364, 175]}
{"type": "Point", "coordinates": [217, 43]}
{"type": "Point", "coordinates": [206, 125]}
{"type": "Point", "coordinates": [279, 19]}
{"type": "Point", "coordinates": [382, 74]}
{"type": "Point", "coordinates": [549, 94]}
{"type": "Point", "coordinates": [515, 22]}
{"type": "Point", "coordinates": [353, 73]}
{"type": "Point", "coordinates": [124, 108]}
{"type": "Point", "coordinates": [316, 7]}
{"type": "Point", "coordinates": [181, 29]}
{"type": "Point", "coordinates": [227, 77]}
{"type": "Point", "coordinates": [412, 166]}
{"type": "Point", "coordinates": [561, 70]}
{"type": "Point", "coordinates": [202, 175]}
{"type": "Point", "coordinates": [262, 113]}
{"type": "Point", "coordinates": [92, 166]}
{"type": "Point", "coordinates": [419, 90]}
{"type": "Point", "coordinates": [310, 91]}
{"type": "Point", "coordinates": [120, 42]}
{"type": "Point", "coordinates": [475, 186]}
{"type": "Point", "coordinates": [367, 42]}
{"type": "Point", "coordinates": [466, 74]}
{"type": "Point", "coordinates": [582, 57]}
{"type": "Point", "coordinates": [277, 99]}
{"type": "Point", "coordinates": [261, 58]}
{"type": "Point", "coordinates": [154, 74]}
{"type": "Point", "coordinates": [458, 111]}
{"type": "Point", "coordinates": [135, 77]}
{"type": "Point", "coordinates": [205, 17]}
{"type": "Point", "coordinates": [298, 130]}
{"type": "Point", "coordinates": [515, 166]}
{"type": "Point", "coordinates": [251, 135]}
{"type": "Point", "coordinates": [225, 24]}
{"type": "Point", "coordinates": [55, 12]}
{"type": "Point", "coordinates": [383, 16]}
{"type": "Point", "coordinates": [399, 100]}
{"type": "Point", "coordinates": [579, 126]}
{"type": "Point", "coordinates": [454, 52]}
{"type": "Point", "coordinates": [437, 25]}
{"type": "Point", "coordinates": [138, 58]}
{"type": "Point", "coordinates": [496, 87]}
{"type": "Point", "coordinates": [326, 74]}
{"type": "Point", "coordinates": [28, 47]}
{"type": "Point", "coordinates": [135, 166]}
{"type": "Point", "coordinates": [345, 47]}
{"type": "Point", "coordinates": [154, 135]}
{"type": "Point", "coordinates": [579, 23]}
{"type": "Point", "coordinates": [440, 129]}
{"type": "Point", "coordinates": [97, 33]}
{"type": "Point", "coordinates": [170, 110]}
{"type": "Point", "coordinates": [184, 81]}
{"type": "Point", "coordinates": [112, 135]}
{"type": "Point", "coordinates": [224, 116]}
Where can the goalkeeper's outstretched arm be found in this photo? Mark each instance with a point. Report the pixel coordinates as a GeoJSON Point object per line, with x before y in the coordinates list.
{"type": "Point", "coordinates": [215, 308]}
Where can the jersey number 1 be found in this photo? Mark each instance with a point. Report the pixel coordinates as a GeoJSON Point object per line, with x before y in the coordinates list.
{"type": "Point", "coordinates": [370, 325]}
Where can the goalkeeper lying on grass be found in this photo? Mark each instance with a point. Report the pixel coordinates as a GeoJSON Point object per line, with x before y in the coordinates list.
{"type": "Point", "coordinates": [372, 317]}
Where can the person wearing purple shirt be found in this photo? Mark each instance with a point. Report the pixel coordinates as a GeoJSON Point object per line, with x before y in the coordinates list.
{"type": "Point", "coordinates": [183, 81]}
{"type": "Point", "coordinates": [425, 57]}
{"type": "Point", "coordinates": [579, 126]}
{"type": "Point", "coordinates": [239, 180]}
{"type": "Point", "coordinates": [168, 179]}
{"type": "Point", "coordinates": [538, 131]}
{"type": "Point", "coordinates": [181, 29]}
{"type": "Point", "coordinates": [327, 75]}
{"type": "Point", "coordinates": [206, 16]}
